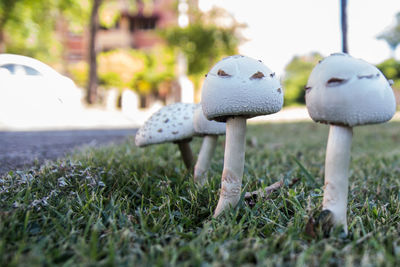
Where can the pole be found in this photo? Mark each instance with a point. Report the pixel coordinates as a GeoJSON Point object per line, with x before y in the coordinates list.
{"type": "Point", "coordinates": [343, 19]}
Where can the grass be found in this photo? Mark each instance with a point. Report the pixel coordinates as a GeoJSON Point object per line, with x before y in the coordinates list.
{"type": "Point", "coordinates": [121, 205]}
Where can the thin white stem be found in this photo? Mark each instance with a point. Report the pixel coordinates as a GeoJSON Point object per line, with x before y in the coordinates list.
{"type": "Point", "coordinates": [186, 153]}
{"type": "Point", "coordinates": [337, 173]}
{"type": "Point", "coordinates": [232, 174]}
{"type": "Point", "coordinates": [204, 159]}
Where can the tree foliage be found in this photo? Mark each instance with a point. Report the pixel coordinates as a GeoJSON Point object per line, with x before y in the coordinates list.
{"type": "Point", "coordinates": [28, 26]}
{"type": "Point", "coordinates": [141, 71]}
{"type": "Point", "coordinates": [159, 68]}
{"type": "Point", "coordinates": [296, 75]}
{"type": "Point", "coordinates": [391, 69]}
{"type": "Point", "coordinates": [202, 45]}
{"type": "Point", "coordinates": [392, 35]}
{"type": "Point", "coordinates": [203, 42]}
{"type": "Point", "coordinates": [118, 67]}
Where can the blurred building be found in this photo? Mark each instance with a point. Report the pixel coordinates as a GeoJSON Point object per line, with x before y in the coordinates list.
{"type": "Point", "coordinates": [135, 29]}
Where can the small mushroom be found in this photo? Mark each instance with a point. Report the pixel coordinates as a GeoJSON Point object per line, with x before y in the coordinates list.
{"type": "Point", "coordinates": [247, 89]}
{"type": "Point", "coordinates": [345, 92]}
{"type": "Point", "coordinates": [172, 123]}
{"type": "Point", "coordinates": [210, 130]}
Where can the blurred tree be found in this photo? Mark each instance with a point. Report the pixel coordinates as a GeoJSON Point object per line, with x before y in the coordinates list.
{"type": "Point", "coordinates": [141, 71]}
{"type": "Point", "coordinates": [391, 69]}
{"type": "Point", "coordinates": [91, 96]}
{"type": "Point", "coordinates": [392, 35]}
{"type": "Point", "coordinates": [203, 42]}
{"type": "Point", "coordinates": [118, 67]}
{"type": "Point", "coordinates": [106, 14]}
{"type": "Point", "coordinates": [159, 68]}
{"type": "Point", "coordinates": [296, 76]}
{"type": "Point", "coordinates": [6, 14]}
{"type": "Point", "coordinates": [79, 72]}
{"type": "Point", "coordinates": [24, 30]}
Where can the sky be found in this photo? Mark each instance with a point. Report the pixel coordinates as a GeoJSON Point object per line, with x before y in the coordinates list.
{"type": "Point", "coordinates": [277, 30]}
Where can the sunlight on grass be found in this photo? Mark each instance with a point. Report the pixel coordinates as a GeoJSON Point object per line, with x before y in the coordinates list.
{"type": "Point", "coordinates": [121, 205]}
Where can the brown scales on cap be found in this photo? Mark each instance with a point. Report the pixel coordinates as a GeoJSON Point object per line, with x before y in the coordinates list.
{"type": "Point", "coordinates": [257, 75]}
{"type": "Point", "coordinates": [223, 73]}
{"type": "Point", "coordinates": [336, 80]}
{"type": "Point", "coordinates": [368, 76]}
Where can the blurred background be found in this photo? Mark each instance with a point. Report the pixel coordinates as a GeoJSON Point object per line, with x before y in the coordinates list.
{"type": "Point", "coordinates": [96, 63]}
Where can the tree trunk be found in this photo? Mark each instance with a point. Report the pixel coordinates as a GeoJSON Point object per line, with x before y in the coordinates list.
{"type": "Point", "coordinates": [343, 18]}
{"type": "Point", "coordinates": [93, 79]}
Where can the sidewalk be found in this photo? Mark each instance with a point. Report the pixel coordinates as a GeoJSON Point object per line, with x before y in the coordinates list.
{"type": "Point", "coordinates": [289, 114]}
{"type": "Point", "coordinates": [76, 119]}
{"type": "Point", "coordinates": [97, 118]}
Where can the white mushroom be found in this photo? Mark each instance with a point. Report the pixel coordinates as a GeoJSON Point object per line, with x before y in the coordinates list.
{"type": "Point", "coordinates": [210, 130]}
{"type": "Point", "coordinates": [345, 92]}
{"type": "Point", "coordinates": [238, 88]}
{"type": "Point", "coordinates": [172, 123]}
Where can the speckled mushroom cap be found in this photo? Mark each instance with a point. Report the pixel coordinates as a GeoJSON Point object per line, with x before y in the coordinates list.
{"type": "Point", "coordinates": [240, 86]}
{"type": "Point", "coordinates": [171, 123]}
{"type": "Point", "coordinates": [343, 90]}
{"type": "Point", "coordinates": [202, 126]}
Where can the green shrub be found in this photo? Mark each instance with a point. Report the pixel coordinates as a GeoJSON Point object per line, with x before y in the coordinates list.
{"type": "Point", "coordinates": [391, 69]}
{"type": "Point", "coordinates": [296, 76]}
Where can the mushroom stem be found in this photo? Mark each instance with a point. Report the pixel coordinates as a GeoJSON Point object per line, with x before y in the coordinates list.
{"type": "Point", "coordinates": [204, 159]}
{"type": "Point", "coordinates": [186, 153]}
{"type": "Point", "coordinates": [336, 173]}
{"type": "Point", "coordinates": [231, 181]}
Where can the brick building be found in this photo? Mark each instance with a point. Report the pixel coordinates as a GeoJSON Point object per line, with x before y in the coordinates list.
{"type": "Point", "coordinates": [134, 29]}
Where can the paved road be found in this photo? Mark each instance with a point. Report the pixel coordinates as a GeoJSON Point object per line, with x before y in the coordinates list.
{"type": "Point", "coordinates": [22, 149]}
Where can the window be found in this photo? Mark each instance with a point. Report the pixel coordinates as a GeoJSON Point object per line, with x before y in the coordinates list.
{"type": "Point", "coordinates": [31, 71]}
{"type": "Point", "coordinates": [142, 23]}
{"type": "Point", "coordinates": [9, 67]}
{"type": "Point", "coordinates": [17, 69]}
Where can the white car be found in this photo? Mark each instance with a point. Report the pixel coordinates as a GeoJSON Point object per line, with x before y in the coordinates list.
{"type": "Point", "coordinates": [31, 88]}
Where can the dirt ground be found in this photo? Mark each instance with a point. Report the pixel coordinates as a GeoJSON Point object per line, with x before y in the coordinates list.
{"type": "Point", "coordinates": [19, 150]}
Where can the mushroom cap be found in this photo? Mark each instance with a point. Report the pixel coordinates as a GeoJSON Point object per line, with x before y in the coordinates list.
{"type": "Point", "coordinates": [240, 86]}
{"type": "Point", "coordinates": [343, 90]}
{"type": "Point", "coordinates": [171, 123]}
{"type": "Point", "coordinates": [203, 126]}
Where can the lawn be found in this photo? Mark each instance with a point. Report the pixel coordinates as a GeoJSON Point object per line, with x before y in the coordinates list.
{"type": "Point", "coordinates": [123, 205]}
